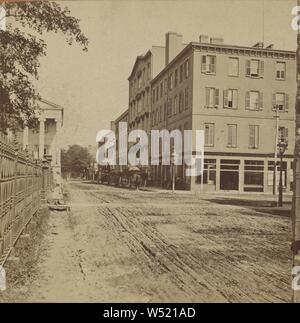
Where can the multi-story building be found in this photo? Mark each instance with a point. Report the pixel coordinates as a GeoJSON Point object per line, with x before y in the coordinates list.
{"type": "Point", "coordinates": [145, 68]}
{"type": "Point", "coordinates": [230, 92]}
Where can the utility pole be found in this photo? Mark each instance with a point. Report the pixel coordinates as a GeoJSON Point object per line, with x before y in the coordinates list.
{"type": "Point", "coordinates": [276, 152]}
{"type": "Point", "coordinates": [296, 191]}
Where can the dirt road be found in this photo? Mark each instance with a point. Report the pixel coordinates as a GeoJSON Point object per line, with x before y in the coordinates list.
{"type": "Point", "coordinates": [118, 245]}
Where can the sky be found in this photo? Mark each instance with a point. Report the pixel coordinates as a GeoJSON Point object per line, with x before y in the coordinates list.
{"type": "Point", "coordinates": [93, 87]}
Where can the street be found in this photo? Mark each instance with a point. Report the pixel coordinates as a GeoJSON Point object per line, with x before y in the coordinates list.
{"type": "Point", "coordinates": [120, 245]}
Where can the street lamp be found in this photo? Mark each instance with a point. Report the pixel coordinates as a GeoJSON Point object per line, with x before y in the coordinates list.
{"type": "Point", "coordinates": [282, 145]}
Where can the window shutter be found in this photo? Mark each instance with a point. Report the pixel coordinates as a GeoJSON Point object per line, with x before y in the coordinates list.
{"type": "Point", "coordinates": [216, 97]}
{"type": "Point", "coordinates": [261, 68]}
{"type": "Point", "coordinates": [252, 136]}
{"type": "Point", "coordinates": [203, 66]}
{"type": "Point", "coordinates": [211, 134]}
{"type": "Point", "coordinates": [207, 96]}
{"type": "Point", "coordinates": [229, 135]}
{"type": "Point", "coordinates": [248, 67]}
{"type": "Point", "coordinates": [261, 101]}
{"type": "Point", "coordinates": [247, 100]}
{"type": "Point", "coordinates": [206, 129]}
{"type": "Point", "coordinates": [225, 98]}
{"type": "Point", "coordinates": [274, 101]}
{"type": "Point", "coordinates": [286, 102]}
{"type": "Point", "coordinates": [234, 136]}
{"type": "Point", "coordinates": [286, 134]}
{"type": "Point", "coordinates": [213, 64]}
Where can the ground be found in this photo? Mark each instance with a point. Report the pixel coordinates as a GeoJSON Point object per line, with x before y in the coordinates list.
{"type": "Point", "coordinates": [120, 245]}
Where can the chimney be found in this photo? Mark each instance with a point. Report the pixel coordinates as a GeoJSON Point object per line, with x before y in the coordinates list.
{"type": "Point", "coordinates": [173, 45]}
{"type": "Point", "coordinates": [217, 40]}
{"type": "Point", "coordinates": [204, 39]}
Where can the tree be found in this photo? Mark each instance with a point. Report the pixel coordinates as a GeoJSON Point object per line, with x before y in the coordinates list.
{"type": "Point", "coordinates": [20, 52]}
{"type": "Point", "coordinates": [75, 159]}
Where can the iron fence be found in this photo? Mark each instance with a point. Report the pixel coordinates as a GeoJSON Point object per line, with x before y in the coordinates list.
{"type": "Point", "coordinates": [23, 184]}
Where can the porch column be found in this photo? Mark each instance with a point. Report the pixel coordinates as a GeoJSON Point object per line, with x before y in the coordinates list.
{"type": "Point", "coordinates": [58, 142]}
{"type": "Point", "coordinates": [42, 138]}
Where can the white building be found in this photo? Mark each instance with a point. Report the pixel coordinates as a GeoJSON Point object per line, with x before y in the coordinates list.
{"type": "Point", "coordinates": [45, 139]}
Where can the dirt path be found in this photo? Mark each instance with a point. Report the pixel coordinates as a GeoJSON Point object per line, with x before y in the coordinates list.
{"type": "Point", "coordinates": [118, 245]}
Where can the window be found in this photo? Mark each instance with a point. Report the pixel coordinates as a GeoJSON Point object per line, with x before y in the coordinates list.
{"type": "Point", "coordinates": [253, 136]}
{"type": "Point", "coordinates": [254, 176]}
{"type": "Point", "coordinates": [171, 81]}
{"type": "Point", "coordinates": [233, 66]}
{"type": "Point", "coordinates": [157, 94]}
{"type": "Point", "coordinates": [281, 102]}
{"type": "Point", "coordinates": [181, 73]}
{"type": "Point", "coordinates": [181, 101]}
{"type": "Point", "coordinates": [169, 107]}
{"type": "Point", "coordinates": [175, 78]}
{"type": "Point", "coordinates": [208, 64]}
{"type": "Point", "coordinates": [149, 71]}
{"type": "Point", "coordinates": [139, 81]}
{"type": "Point", "coordinates": [280, 70]}
{"type": "Point", "coordinates": [161, 118]}
{"type": "Point", "coordinates": [166, 86]}
{"type": "Point", "coordinates": [254, 68]}
{"type": "Point", "coordinates": [212, 97]}
{"type": "Point", "coordinates": [187, 68]}
{"type": "Point", "coordinates": [283, 134]}
{"type": "Point", "coordinates": [186, 96]}
{"type": "Point", "coordinates": [209, 133]}
{"type": "Point", "coordinates": [161, 89]}
{"type": "Point", "coordinates": [165, 111]}
{"type": "Point", "coordinates": [230, 99]}
{"type": "Point", "coordinates": [153, 96]}
{"type": "Point", "coordinates": [175, 105]}
{"type": "Point", "coordinates": [254, 100]}
{"type": "Point", "coordinates": [232, 135]}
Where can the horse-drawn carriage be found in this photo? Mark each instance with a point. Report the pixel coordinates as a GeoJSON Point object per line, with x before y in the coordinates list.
{"type": "Point", "coordinates": [134, 176]}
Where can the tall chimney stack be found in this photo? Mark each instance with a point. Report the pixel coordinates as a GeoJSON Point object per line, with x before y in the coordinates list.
{"type": "Point", "coordinates": [173, 45]}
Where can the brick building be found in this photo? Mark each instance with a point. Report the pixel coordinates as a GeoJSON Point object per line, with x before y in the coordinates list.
{"type": "Point", "coordinates": [233, 93]}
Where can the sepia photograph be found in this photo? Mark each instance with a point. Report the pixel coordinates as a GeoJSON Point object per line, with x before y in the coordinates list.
{"type": "Point", "coordinates": [149, 154]}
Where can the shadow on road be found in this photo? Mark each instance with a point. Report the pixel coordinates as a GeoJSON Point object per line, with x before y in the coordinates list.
{"type": "Point", "coordinates": [263, 206]}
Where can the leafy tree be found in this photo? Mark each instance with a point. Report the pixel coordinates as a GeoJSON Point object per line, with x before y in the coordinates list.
{"type": "Point", "coordinates": [20, 52]}
{"type": "Point", "coordinates": [75, 159]}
